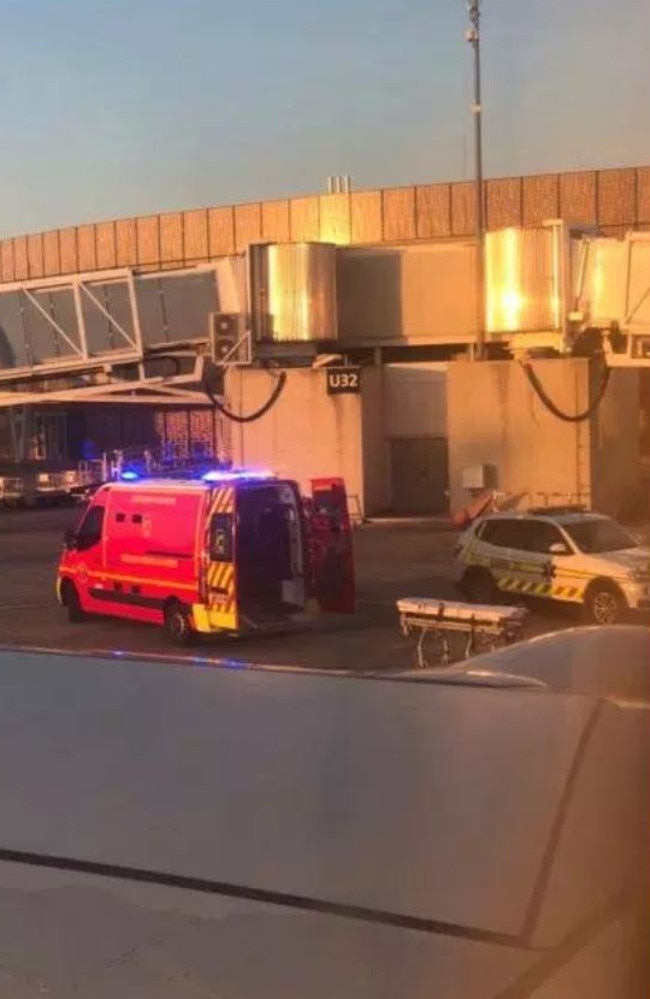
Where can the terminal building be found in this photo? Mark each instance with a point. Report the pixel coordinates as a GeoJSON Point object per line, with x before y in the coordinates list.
{"type": "Point", "coordinates": [336, 335]}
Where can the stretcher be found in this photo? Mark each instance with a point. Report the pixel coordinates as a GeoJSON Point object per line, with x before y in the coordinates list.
{"type": "Point", "coordinates": [483, 626]}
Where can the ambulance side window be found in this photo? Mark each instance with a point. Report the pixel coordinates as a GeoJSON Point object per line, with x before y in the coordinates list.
{"type": "Point", "coordinates": [90, 532]}
{"type": "Point", "coordinates": [221, 537]}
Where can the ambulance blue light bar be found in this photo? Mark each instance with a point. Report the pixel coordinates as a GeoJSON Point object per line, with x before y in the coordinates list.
{"type": "Point", "coordinates": [235, 476]}
{"type": "Point", "coordinates": [129, 476]}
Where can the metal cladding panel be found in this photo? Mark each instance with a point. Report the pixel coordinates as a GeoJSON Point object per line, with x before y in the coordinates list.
{"type": "Point", "coordinates": [463, 209]}
{"type": "Point", "coordinates": [20, 258]}
{"type": "Point", "coordinates": [638, 287]}
{"type": "Point", "coordinates": [51, 254]}
{"type": "Point", "coordinates": [541, 198]}
{"type": "Point", "coordinates": [126, 239]}
{"type": "Point", "coordinates": [335, 218]}
{"type": "Point", "coordinates": [409, 294]}
{"type": "Point", "coordinates": [299, 293]}
{"type": "Point", "coordinates": [524, 273]}
{"type": "Point", "coordinates": [578, 197]}
{"type": "Point", "coordinates": [433, 211]}
{"type": "Point", "coordinates": [643, 196]}
{"type": "Point", "coordinates": [604, 289]}
{"type": "Point", "coordinates": [230, 292]}
{"type": "Point", "coordinates": [503, 203]}
{"type": "Point", "coordinates": [437, 292]}
{"type": "Point", "coordinates": [221, 231]}
{"type": "Point", "coordinates": [86, 248]}
{"type": "Point", "coordinates": [616, 197]}
{"type": "Point", "coordinates": [106, 245]}
{"type": "Point", "coordinates": [7, 260]}
{"type": "Point", "coordinates": [248, 225]}
{"type": "Point", "coordinates": [35, 255]}
{"type": "Point", "coordinates": [171, 237]}
{"type": "Point", "coordinates": [195, 227]}
{"type": "Point", "coordinates": [275, 222]}
{"type": "Point", "coordinates": [68, 251]}
{"type": "Point", "coordinates": [148, 237]}
{"type": "Point", "coordinates": [304, 216]}
{"type": "Point", "coordinates": [399, 213]}
{"type": "Point", "coordinates": [366, 217]}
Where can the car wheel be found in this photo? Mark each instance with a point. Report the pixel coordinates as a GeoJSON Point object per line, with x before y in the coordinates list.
{"type": "Point", "coordinates": [71, 602]}
{"type": "Point", "coordinates": [604, 603]}
{"type": "Point", "coordinates": [178, 627]}
{"type": "Point", "coordinates": [479, 587]}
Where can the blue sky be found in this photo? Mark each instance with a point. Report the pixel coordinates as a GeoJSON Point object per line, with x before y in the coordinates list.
{"type": "Point", "coordinates": [117, 107]}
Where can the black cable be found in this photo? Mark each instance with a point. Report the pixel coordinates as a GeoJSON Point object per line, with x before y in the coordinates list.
{"type": "Point", "coordinates": [550, 405]}
{"type": "Point", "coordinates": [250, 417]}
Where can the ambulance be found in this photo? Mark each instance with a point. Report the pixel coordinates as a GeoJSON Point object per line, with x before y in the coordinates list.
{"type": "Point", "coordinates": [232, 552]}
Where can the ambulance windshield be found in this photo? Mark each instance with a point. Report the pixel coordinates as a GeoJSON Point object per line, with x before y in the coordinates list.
{"type": "Point", "coordinates": [600, 534]}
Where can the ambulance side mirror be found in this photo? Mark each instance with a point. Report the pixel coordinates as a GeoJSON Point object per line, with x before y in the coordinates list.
{"type": "Point", "coordinates": [69, 539]}
{"type": "Point", "coordinates": [559, 548]}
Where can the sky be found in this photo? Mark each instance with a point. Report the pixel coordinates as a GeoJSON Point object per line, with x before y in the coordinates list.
{"type": "Point", "coordinates": [124, 107]}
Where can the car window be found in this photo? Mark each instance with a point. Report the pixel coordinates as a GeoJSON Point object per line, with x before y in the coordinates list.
{"type": "Point", "coordinates": [540, 536]}
{"type": "Point", "coordinates": [600, 535]}
{"type": "Point", "coordinates": [90, 531]}
{"type": "Point", "coordinates": [501, 533]}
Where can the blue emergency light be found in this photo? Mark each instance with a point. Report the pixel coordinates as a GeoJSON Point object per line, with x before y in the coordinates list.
{"type": "Point", "coordinates": [242, 475]}
{"type": "Point", "coordinates": [129, 476]}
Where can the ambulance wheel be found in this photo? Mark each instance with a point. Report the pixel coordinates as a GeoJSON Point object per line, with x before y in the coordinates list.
{"type": "Point", "coordinates": [479, 587]}
{"type": "Point", "coordinates": [604, 603]}
{"type": "Point", "coordinates": [71, 602]}
{"type": "Point", "coordinates": [177, 623]}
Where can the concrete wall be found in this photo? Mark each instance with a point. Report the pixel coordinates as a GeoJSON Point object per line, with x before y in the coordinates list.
{"type": "Point", "coordinates": [416, 399]}
{"type": "Point", "coordinates": [492, 417]}
{"type": "Point", "coordinates": [309, 433]}
{"type": "Point", "coordinates": [375, 447]}
{"type": "Point", "coordinates": [496, 418]}
{"type": "Point", "coordinates": [616, 442]}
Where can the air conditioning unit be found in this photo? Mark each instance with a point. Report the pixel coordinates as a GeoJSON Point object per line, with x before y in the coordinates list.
{"type": "Point", "coordinates": [229, 341]}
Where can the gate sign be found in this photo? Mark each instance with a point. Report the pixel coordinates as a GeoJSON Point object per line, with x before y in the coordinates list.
{"type": "Point", "coordinates": [343, 380]}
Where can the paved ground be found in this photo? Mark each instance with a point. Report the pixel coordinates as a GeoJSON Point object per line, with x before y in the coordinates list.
{"type": "Point", "coordinates": [393, 560]}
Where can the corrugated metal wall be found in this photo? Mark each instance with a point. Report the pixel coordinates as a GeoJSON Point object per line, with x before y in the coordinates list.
{"type": "Point", "coordinates": [616, 200]}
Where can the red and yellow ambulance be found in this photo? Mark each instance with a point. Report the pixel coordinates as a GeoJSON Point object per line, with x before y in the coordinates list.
{"type": "Point", "coordinates": [232, 552]}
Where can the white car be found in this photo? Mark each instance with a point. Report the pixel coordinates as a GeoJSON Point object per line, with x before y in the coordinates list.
{"type": "Point", "coordinates": [558, 554]}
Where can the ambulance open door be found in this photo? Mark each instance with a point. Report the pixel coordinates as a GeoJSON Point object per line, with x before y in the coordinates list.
{"type": "Point", "coordinates": [331, 550]}
{"type": "Point", "coordinates": [221, 577]}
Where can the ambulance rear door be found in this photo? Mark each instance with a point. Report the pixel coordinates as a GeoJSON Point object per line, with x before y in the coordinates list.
{"type": "Point", "coordinates": [331, 549]}
{"type": "Point", "coordinates": [221, 574]}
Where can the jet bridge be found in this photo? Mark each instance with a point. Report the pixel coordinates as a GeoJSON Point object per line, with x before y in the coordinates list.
{"type": "Point", "coordinates": [103, 336]}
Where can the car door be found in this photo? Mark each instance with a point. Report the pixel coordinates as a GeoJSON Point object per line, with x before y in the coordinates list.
{"type": "Point", "coordinates": [330, 547]}
{"type": "Point", "coordinates": [534, 564]}
{"type": "Point", "coordinates": [86, 556]}
{"type": "Point", "coordinates": [515, 556]}
{"type": "Point", "coordinates": [221, 582]}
